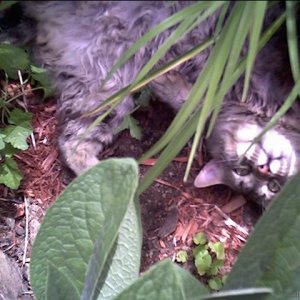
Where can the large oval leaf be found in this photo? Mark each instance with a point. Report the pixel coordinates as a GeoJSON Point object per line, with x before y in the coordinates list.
{"type": "Point", "coordinates": [85, 217]}
{"type": "Point", "coordinates": [165, 281]}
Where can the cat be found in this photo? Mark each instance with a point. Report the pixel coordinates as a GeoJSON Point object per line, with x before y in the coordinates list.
{"type": "Point", "coordinates": [79, 41]}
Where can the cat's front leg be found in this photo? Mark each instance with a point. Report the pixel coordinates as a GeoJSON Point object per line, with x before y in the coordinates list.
{"type": "Point", "coordinates": [79, 147]}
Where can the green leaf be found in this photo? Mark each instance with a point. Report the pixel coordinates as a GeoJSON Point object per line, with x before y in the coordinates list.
{"type": "Point", "coordinates": [203, 262]}
{"type": "Point", "coordinates": [44, 79]}
{"type": "Point", "coordinates": [215, 283]}
{"type": "Point", "coordinates": [58, 285]}
{"type": "Point", "coordinates": [291, 26]}
{"type": "Point", "coordinates": [199, 248]}
{"type": "Point", "coordinates": [164, 281]}
{"type": "Point", "coordinates": [9, 150]}
{"type": "Point", "coordinates": [13, 59]}
{"type": "Point", "coordinates": [16, 136]}
{"type": "Point", "coordinates": [17, 133]}
{"type": "Point", "coordinates": [258, 14]}
{"type": "Point", "coordinates": [215, 266]}
{"type": "Point", "coordinates": [123, 264]}
{"type": "Point", "coordinates": [181, 256]}
{"type": "Point", "coordinates": [132, 124]}
{"type": "Point", "coordinates": [218, 249]}
{"type": "Point", "coordinates": [87, 215]}
{"type": "Point", "coordinates": [6, 4]}
{"type": "Point", "coordinates": [18, 116]}
{"type": "Point", "coordinates": [144, 97]}
{"type": "Point", "coordinates": [10, 174]}
{"type": "Point", "coordinates": [200, 238]}
{"type": "Point", "coordinates": [276, 245]}
{"type": "Point", "coordinates": [2, 144]}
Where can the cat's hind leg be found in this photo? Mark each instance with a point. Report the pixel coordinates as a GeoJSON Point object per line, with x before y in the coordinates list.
{"type": "Point", "coordinates": [172, 88]}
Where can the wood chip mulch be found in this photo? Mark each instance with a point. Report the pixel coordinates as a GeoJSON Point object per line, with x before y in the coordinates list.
{"type": "Point", "coordinates": [40, 163]}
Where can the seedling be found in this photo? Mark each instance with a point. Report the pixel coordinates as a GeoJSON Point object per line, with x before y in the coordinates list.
{"type": "Point", "coordinates": [15, 123]}
{"type": "Point", "coordinates": [208, 258]}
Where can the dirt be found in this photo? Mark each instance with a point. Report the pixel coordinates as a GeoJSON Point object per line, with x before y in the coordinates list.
{"type": "Point", "coordinates": [172, 211]}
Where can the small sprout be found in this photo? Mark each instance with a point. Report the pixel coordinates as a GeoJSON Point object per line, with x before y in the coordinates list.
{"type": "Point", "coordinates": [181, 256]}
{"type": "Point", "coordinates": [218, 249]}
{"type": "Point", "coordinates": [215, 283]}
{"type": "Point", "coordinates": [200, 238]}
{"type": "Point", "coordinates": [209, 258]}
{"type": "Point", "coordinates": [203, 262]}
{"type": "Point", "coordinates": [215, 266]}
{"type": "Point", "coordinates": [199, 248]}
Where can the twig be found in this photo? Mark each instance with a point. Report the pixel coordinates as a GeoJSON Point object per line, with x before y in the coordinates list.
{"type": "Point", "coordinates": [229, 222]}
{"type": "Point", "coordinates": [26, 230]}
{"type": "Point", "coordinates": [25, 105]}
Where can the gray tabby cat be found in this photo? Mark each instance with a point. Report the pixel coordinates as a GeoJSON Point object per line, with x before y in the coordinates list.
{"type": "Point", "coordinates": [78, 42]}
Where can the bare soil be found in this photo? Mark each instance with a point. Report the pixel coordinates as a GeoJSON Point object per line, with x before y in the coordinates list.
{"type": "Point", "coordinates": [172, 212]}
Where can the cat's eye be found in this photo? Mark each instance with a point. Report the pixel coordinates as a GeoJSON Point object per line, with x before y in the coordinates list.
{"type": "Point", "coordinates": [243, 170]}
{"type": "Point", "coordinates": [274, 186]}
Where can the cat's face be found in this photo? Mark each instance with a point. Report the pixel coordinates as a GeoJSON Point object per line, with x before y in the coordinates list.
{"type": "Point", "coordinates": [266, 166]}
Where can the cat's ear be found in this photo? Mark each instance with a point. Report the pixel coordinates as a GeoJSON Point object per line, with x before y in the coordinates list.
{"type": "Point", "coordinates": [210, 174]}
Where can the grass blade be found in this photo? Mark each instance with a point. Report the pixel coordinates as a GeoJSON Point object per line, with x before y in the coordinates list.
{"type": "Point", "coordinates": [169, 153]}
{"type": "Point", "coordinates": [258, 15]}
{"type": "Point", "coordinates": [292, 38]}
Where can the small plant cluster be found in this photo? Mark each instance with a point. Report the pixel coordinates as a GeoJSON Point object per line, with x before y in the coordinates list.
{"type": "Point", "coordinates": [208, 258]}
{"type": "Point", "coordinates": [15, 122]}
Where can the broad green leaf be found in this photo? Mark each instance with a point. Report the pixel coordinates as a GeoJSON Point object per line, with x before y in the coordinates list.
{"type": "Point", "coordinates": [203, 262]}
{"type": "Point", "coordinates": [271, 257]}
{"type": "Point", "coordinates": [123, 264]}
{"type": "Point", "coordinates": [17, 116]}
{"type": "Point", "coordinates": [9, 150]}
{"type": "Point", "coordinates": [13, 59]}
{"type": "Point", "coordinates": [91, 207]}
{"type": "Point", "coordinates": [43, 77]}
{"type": "Point", "coordinates": [10, 174]}
{"type": "Point", "coordinates": [218, 249]}
{"type": "Point", "coordinates": [181, 256]}
{"type": "Point", "coordinates": [164, 281]}
{"type": "Point", "coordinates": [200, 238]}
{"type": "Point", "coordinates": [132, 124]}
{"type": "Point", "coordinates": [17, 135]}
{"type": "Point", "coordinates": [58, 285]}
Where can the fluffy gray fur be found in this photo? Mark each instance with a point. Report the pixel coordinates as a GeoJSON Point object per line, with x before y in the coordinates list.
{"type": "Point", "coordinates": [79, 41]}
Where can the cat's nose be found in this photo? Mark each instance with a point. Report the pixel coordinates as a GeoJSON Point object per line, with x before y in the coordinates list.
{"type": "Point", "coordinates": [264, 169]}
